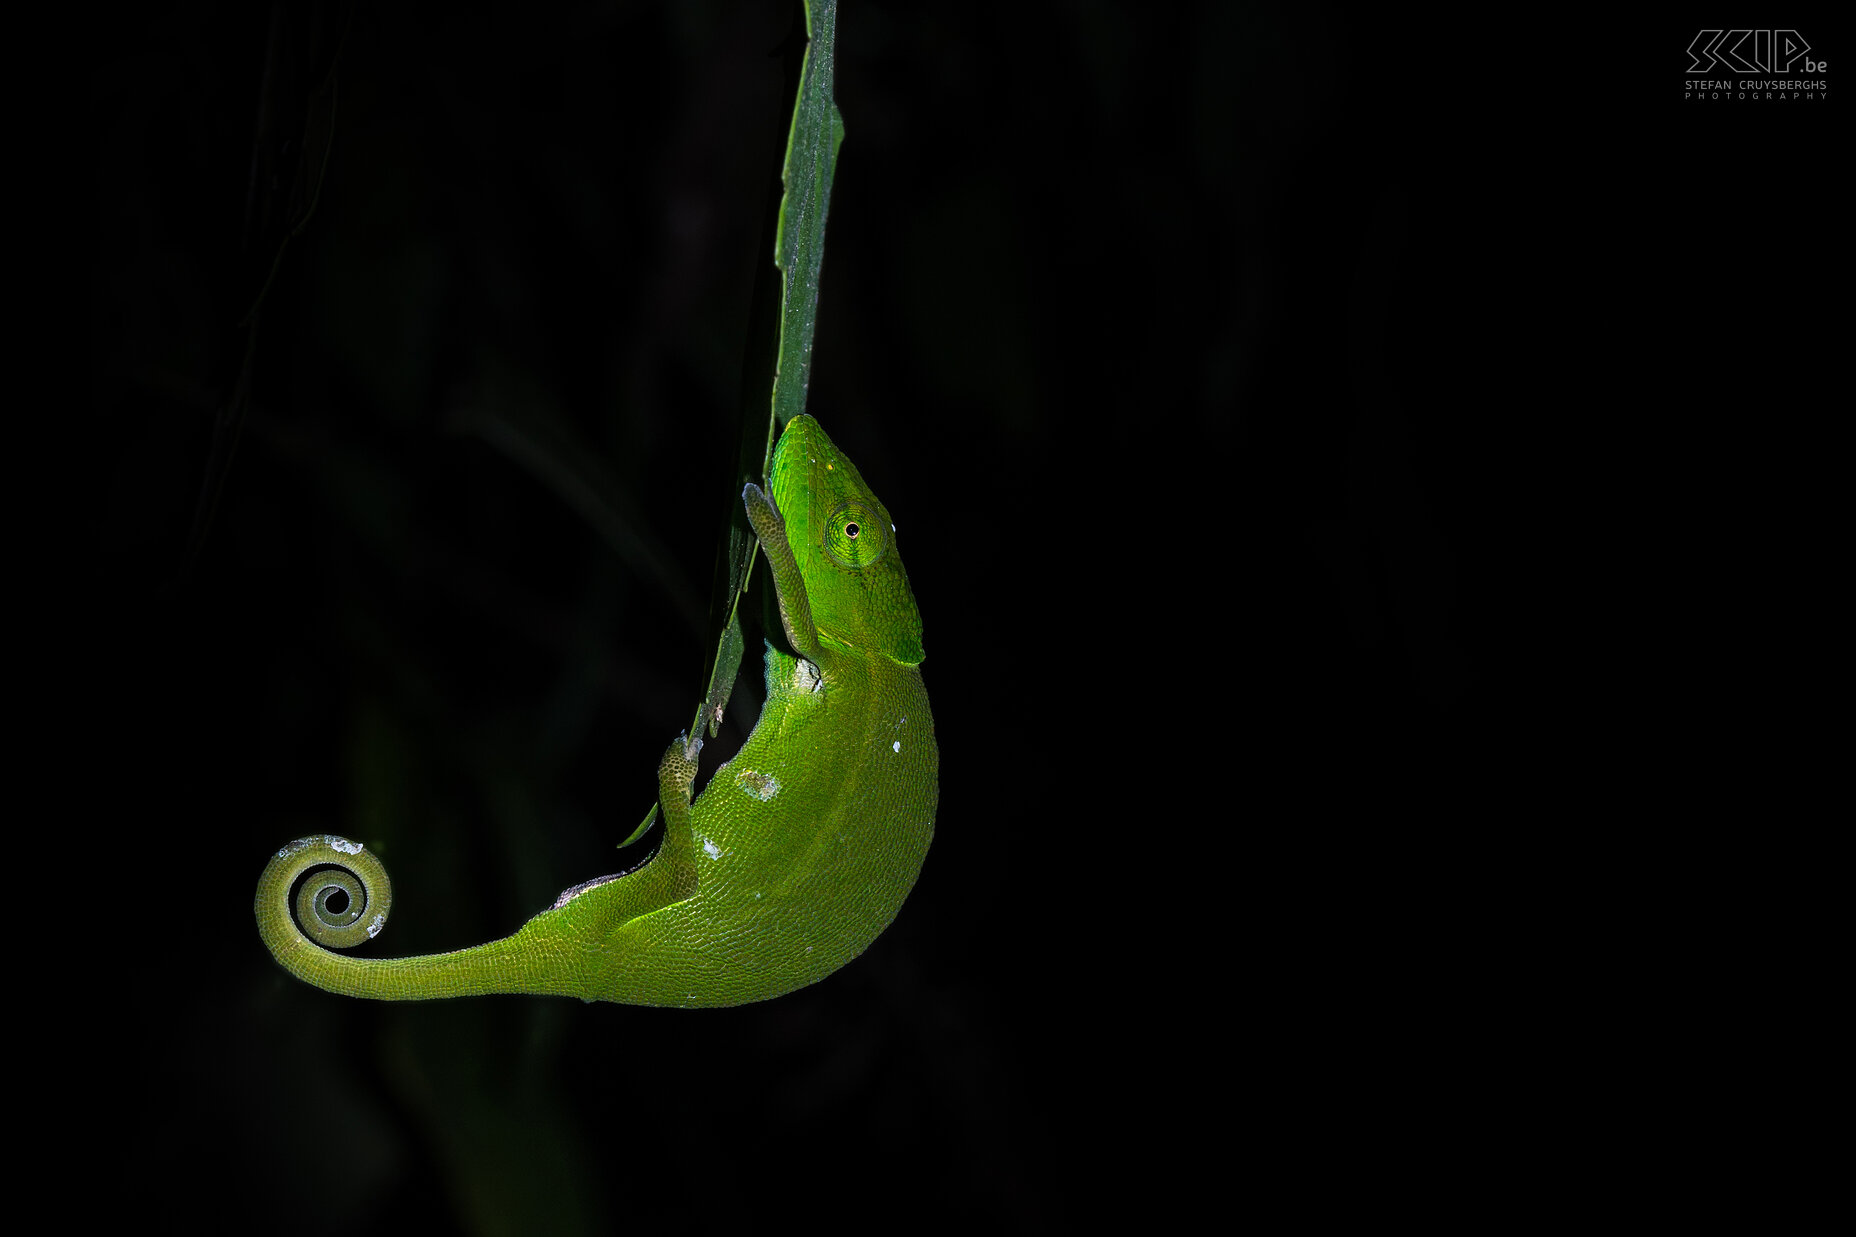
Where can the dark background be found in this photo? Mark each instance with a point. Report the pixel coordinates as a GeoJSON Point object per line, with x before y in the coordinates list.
{"type": "Point", "coordinates": [1258, 419]}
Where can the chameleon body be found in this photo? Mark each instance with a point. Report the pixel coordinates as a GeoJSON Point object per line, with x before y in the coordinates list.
{"type": "Point", "coordinates": [799, 851]}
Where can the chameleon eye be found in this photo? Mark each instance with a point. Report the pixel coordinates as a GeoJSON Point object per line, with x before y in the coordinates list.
{"type": "Point", "coordinates": [855, 536]}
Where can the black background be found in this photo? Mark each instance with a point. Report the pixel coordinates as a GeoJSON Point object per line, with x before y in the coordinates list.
{"type": "Point", "coordinates": [1269, 399]}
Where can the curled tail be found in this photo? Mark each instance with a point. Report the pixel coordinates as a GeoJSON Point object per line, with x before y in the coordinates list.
{"type": "Point", "coordinates": [324, 893]}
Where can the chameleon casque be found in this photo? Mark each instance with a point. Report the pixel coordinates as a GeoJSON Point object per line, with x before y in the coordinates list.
{"type": "Point", "coordinates": [797, 854]}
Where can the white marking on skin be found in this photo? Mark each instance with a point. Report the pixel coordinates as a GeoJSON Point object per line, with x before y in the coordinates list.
{"type": "Point", "coordinates": [343, 844]}
{"type": "Point", "coordinates": [293, 847]}
{"type": "Point", "coordinates": [896, 747]}
{"type": "Point", "coordinates": [373, 929]}
{"type": "Point", "coordinates": [762, 786]}
{"type": "Point", "coordinates": [806, 677]}
{"type": "Point", "coordinates": [711, 849]}
{"type": "Point", "coordinates": [569, 894]}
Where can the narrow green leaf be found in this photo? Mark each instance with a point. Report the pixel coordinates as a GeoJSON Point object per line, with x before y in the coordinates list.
{"type": "Point", "coordinates": [649, 818]}
{"type": "Point", "coordinates": [727, 666]}
{"type": "Point", "coordinates": [799, 254]}
{"type": "Point", "coordinates": [799, 249]}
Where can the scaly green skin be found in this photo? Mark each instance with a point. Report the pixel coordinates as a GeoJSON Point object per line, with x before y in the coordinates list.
{"type": "Point", "coordinates": [797, 854]}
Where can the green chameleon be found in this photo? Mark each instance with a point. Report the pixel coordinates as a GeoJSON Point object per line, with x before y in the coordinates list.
{"type": "Point", "coordinates": [799, 851]}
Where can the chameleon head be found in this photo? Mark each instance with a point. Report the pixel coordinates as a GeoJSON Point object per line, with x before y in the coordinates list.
{"type": "Point", "coordinates": [846, 546]}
